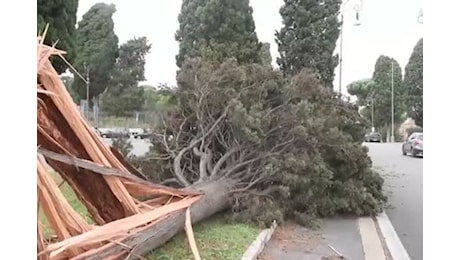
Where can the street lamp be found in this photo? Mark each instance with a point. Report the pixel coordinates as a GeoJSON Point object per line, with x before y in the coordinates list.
{"type": "Point", "coordinates": [87, 89]}
{"type": "Point", "coordinates": [420, 16]}
{"type": "Point", "coordinates": [392, 104]}
{"type": "Point", "coordinates": [357, 7]}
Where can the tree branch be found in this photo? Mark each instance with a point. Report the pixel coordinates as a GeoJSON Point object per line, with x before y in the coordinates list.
{"type": "Point", "coordinates": [222, 159]}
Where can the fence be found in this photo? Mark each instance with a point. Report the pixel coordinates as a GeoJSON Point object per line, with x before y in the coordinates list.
{"type": "Point", "coordinates": [99, 118]}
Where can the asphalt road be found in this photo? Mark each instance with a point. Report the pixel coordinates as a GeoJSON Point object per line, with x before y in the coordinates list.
{"type": "Point", "coordinates": [404, 187]}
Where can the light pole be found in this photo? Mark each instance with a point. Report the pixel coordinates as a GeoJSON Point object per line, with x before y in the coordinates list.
{"type": "Point", "coordinates": [371, 105]}
{"type": "Point", "coordinates": [87, 89]}
{"type": "Point", "coordinates": [357, 23]}
{"type": "Point", "coordinates": [420, 16]}
{"type": "Point", "coordinates": [392, 104]}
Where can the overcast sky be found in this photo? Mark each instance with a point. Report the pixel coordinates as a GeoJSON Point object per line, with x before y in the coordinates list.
{"type": "Point", "coordinates": [388, 27]}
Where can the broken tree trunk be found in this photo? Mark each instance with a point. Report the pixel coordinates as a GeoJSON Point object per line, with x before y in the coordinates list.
{"type": "Point", "coordinates": [215, 199]}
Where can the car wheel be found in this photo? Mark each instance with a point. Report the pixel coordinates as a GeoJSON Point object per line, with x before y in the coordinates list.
{"type": "Point", "coordinates": [413, 152]}
{"type": "Point", "coordinates": [404, 152]}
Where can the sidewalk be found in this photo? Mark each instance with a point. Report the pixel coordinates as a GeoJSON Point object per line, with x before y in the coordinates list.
{"type": "Point", "coordinates": [353, 238]}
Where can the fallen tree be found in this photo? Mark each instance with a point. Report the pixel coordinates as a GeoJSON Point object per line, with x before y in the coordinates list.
{"type": "Point", "coordinates": [270, 147]}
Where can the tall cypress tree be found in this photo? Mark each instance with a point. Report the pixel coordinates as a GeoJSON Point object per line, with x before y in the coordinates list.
{"type": "Point", "coordinates": [382, 91]}
{"type": "Point", "coordinates": [62, 18]}
{"type": "Point", "coordinates": [308, 37]}
{"type": "Point", "coordinates": [97, 47]}
{"type": "Point", "coordinates": [413, 83]}
{"type": "Point", "coordinates": [217, 30]}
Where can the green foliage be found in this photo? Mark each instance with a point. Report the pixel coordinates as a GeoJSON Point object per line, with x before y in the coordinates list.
{"type": "Point", "coordinates": [123, 96]}
{"type": "Point", "coordinates": [265, 55]}
{"type": "Point", "coordinates": [308, 37]}
{"type": "Point", "coordinates": [304, 141]}
{"type": "Point", "coordinates": [122, 102]}
{"type": "Point", "coordinates": [97, 48]}
{"type": "Point", "coordinates": [382, 92]}
{"type": "Point", "coordinates": [217, 30]}
{"type": "Point", "coordinates": [363, 90]}
{"type": "Point", "coordinates": [413, 82]}
{"type": "Point", "coordinates": [416, 129]}
{"type": "Point", "coordinates": [61, 17]}
{"type": "Point", "coordinates": [159, 100]}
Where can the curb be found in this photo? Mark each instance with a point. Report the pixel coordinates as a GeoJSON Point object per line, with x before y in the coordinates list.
{"type": "Point", "coordinates": [391, 238]}
{"type": "Point", "coordinates": [257, 246]}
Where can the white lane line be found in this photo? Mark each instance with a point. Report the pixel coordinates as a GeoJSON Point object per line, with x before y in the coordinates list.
{"type": "Point", "coordinates": [372, 247]}
{"type": "Point", "coordinates": [396, 248]}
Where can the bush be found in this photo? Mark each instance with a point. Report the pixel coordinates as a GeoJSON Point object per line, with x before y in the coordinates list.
{"type": "Point", "coordinates": [416, 129]}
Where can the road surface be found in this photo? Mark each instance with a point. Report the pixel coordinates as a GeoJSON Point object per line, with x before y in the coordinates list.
{"type": "Point", "coordinates": [404, 187]}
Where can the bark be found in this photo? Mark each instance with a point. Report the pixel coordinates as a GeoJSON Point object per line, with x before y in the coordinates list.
{"type": "Point", "coordinates": [92, 190]}
{"type": "Point", "coordinates": [215, 199]}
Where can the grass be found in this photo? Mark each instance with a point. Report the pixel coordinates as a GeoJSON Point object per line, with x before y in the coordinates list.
{"type": "Point", "coordinates": [73, 200]}
{"type": "Point", "coordinates": [215, 237]}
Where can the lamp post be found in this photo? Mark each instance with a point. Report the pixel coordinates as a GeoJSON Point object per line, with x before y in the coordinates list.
{"type": "Point", "coordinates": [392, 104]}
{"type": "Point", "coordinates": [420, 16]}
{"type": "Point", "coordinates": [371, 105]}
{"type": "Point", "coordinates": [357, 23]}
{"type": "Point", "coordinates": [87, 89]}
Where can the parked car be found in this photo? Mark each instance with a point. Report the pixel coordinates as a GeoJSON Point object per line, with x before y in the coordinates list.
{"type": "Point", "coordinates": [413, 145]}
{"type": "Point", "coordinates": [373, 137]}
{"type": "Point", "coordinates": [143, 135]}
{"type": "Point", "coordinates": [116, 133]}
{"type": "Point", "coordinates": [135, 131]}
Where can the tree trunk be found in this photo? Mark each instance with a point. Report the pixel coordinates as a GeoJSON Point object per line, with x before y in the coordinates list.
{"type": "Point", "coordinates": [215, 200]}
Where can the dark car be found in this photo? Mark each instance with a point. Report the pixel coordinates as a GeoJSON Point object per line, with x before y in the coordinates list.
{"type": "Point", "coordinates": [116, 133]}
{"type": "Point", "coordinates": [143, 135]}
{"type": "Point", "coordinates": [373, 137]}
{"type": "Point", "coordinates": [413, 145]}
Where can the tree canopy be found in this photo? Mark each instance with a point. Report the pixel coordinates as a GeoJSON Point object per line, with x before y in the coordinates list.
{"type": "Point", "coordinates": [288, 148]}
{"type": "Point", "coordinates": [382, 92]}
{"type": "Point", "coordinates": [123, 95]}
{"type": "Point", "coordinates": [308, 37]}
{"type": "Point", "coordinates": [62, 18]}
{"type": "Point", "coordinates": [217, 30]}
{"type": "Point", "coordinates": [413, 83]}
{"type": "Point", "coordinates": [97, 47]}
{"type": "Point", "coordinates": [265, 55]}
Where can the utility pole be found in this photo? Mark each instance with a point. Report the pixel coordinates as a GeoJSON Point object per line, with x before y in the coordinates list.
{"type": "Point", "coordinates": [372, 114]}
{"type": "Point", "coordinates": [341, 55]}
{"type": "Point", "coordinates": [87, 90]}
{"type": "Point", "coordinates": [392, 104]}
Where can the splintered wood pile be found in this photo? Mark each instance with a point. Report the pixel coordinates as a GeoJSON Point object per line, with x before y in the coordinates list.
{"type": "Point", "coordinates": [122, 204]}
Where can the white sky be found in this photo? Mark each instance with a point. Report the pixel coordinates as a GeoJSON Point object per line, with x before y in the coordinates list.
{"type": "Point", "coordinates": [388, 27]}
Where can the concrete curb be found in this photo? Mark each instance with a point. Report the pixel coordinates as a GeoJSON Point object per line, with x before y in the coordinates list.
{"type": "Point", "coordinates": [257, 246]}
{"type": "Point", "coordinates": [391, 238]}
